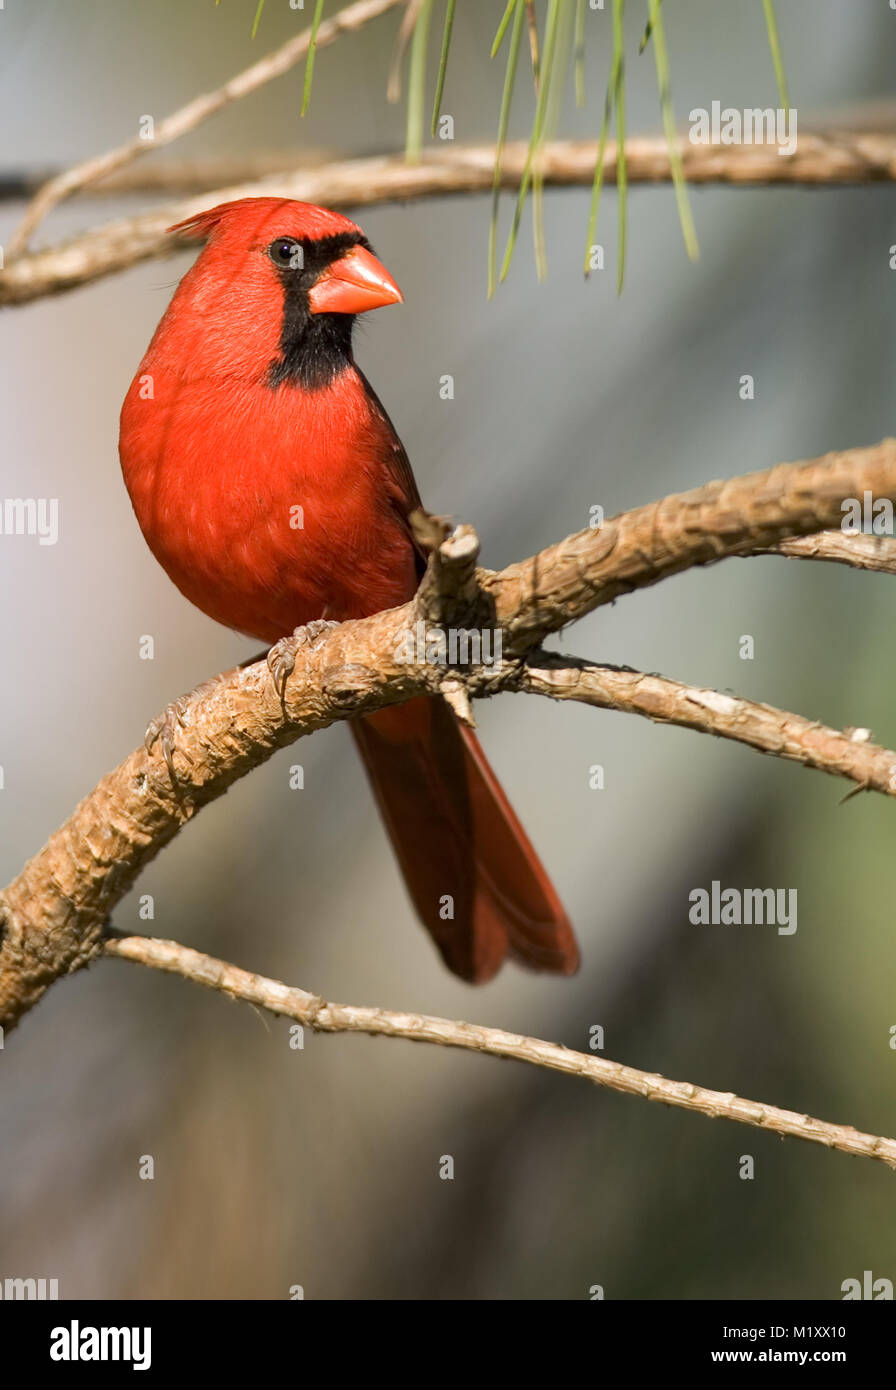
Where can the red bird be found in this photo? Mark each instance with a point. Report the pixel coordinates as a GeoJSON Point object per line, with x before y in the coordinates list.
{"type": "Point", "coordinates": [247, 405]}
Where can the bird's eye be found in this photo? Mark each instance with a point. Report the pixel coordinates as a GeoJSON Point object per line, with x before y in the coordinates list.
{"type": "Point", "coordinates": [287, 253]}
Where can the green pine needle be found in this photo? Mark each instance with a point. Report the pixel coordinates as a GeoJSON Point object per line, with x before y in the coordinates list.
{"type": "Point", "coordinates": [645, 37]}
{"type": "Point", "coordinates": [518, 9]}
{"type": "Point", "coordinates": [615, 88]}
{"type": "Point", "coordinates": [309, 60]}
{"type": "Point", "coordinates": [774, 44]}
{"type": "Point", "coordinates": [554, 73]}
{"type": "Point", "coordinates": [257, 17]}
{"type": "Point", "coordinates": [502, 27]}
{"type": "Point", "coordinates": [661, 58]}
{"type": "Point", "coordinates": [557, 55]}
{"type": "Point", "coordinates": [443, 64]}
{"type": "Point", "coordinates": [621, 167]}
{"type": "Point", "coordinates": [417, 83]}
{"type": "Point", "coordinates": [579, 45]}
{"type": "Point", "coordinates": [537, 128]}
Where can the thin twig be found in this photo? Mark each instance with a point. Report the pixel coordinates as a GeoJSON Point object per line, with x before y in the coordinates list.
{"type": "Point", "coordinates": [325, 1017]}
{"type": "Point", "coordinates": [842, 753]}
{"type": "Point", "coordinates": [403, 38]}
{"type": "Point", "coordinates": [859, 550]}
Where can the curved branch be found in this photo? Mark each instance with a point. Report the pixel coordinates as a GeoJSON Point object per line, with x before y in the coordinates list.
{"type": "Point", "coordinates": [740, 516]}
{"type": "Point", "coordinates": [842, 753]}
{"type": "Point", "coordinates": [357, 183]}
{"type": "Point", "coordinates": [325, 1017]}
{"type": "Point", "coordinates": [53, 915]}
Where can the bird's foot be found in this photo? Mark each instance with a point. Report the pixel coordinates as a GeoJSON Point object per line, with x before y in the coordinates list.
{"type": "Point", "coordinates": [282, 656]}
{"type": "Point", "coordinates": [163, 731]}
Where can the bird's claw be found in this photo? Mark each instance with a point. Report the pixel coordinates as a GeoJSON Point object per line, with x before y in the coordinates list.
{"type": "Point", "coordinates": [163, 730]}
{"type": "Point", "coordinates": [282, 656]}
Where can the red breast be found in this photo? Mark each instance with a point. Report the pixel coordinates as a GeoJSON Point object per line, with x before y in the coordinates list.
{"type": "Point", "coordinates": [264, 473]}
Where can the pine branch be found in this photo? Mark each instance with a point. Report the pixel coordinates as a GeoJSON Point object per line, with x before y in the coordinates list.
{"type": "Point", "coordinates": [53, 916]}
{"type": "Point", "coordinates": [324, 1017]}
{"type": "Point", "coordinates": [820, 160]}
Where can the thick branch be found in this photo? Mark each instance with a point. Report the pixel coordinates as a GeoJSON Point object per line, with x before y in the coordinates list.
{"type": "Point", "coordinates": [739, 517]}
{"type": "Point", "coordinates": [52, 916]}
{"type": "Point", "coordinates": [322, 1016]}
{"type": "Point", "coordinates": [359, 183]}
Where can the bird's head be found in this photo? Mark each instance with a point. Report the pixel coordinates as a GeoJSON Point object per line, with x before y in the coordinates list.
{"type": "Point", "coordinates": [277, 288]}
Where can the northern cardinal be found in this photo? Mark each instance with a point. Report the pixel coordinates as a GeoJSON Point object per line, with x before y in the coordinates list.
{"type": "Point", "coordinates": [248, 404]}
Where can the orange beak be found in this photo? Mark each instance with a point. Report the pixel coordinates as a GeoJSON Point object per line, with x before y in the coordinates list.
{"type": "Point", "coordinates": [353, 284]}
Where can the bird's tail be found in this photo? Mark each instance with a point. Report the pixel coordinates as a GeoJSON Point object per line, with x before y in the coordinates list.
{"type": "Point", "coordinates": [474, 878]}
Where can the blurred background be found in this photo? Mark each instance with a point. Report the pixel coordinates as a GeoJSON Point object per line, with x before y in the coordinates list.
{"type": "Point", "coordinates": [320, 1167]}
